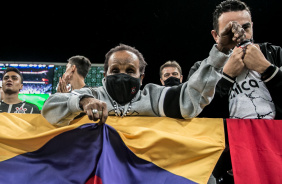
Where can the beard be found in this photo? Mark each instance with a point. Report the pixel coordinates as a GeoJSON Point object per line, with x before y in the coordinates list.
{"type": "Point", "coordinates": [10, 91]}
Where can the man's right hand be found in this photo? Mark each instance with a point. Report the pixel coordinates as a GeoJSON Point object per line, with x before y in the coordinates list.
{"type": "Point", "coordinates": [235, 64]}
{"type": "Point", "coordinates": [89, 104]}
{"type": "Point", "coordinates": [62, 85]}
{"type": "Point", "coordinates": [232, 34]}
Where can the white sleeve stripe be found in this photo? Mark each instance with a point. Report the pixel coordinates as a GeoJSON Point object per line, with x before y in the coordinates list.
{"type": "Point", "coordinates": [276, 71]}
{"type": "Point", "coordinates": [161, 101]}
{"type": "Point", "coordinates": [230, 80]}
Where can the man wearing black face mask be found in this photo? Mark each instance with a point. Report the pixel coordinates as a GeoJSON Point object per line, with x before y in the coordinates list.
{"type": "Point", "coordinates": [171, 74]}
{"type": "Point", "coordinates": [120, 94]}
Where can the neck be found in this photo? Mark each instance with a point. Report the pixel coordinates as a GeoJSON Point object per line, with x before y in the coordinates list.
{"type": "Point", "coordinates": [78, 84]}
{"type": "Point", "coordinates": [11, 98]}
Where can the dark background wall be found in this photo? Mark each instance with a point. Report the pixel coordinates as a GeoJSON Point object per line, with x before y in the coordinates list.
{"type": "Point", "coordinates": [160, 29]}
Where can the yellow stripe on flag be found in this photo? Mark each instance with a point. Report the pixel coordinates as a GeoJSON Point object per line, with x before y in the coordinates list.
{"type": "Point", "coordinates": [21, 133]}
{"type": "Point", "coordinates": [189, 148]}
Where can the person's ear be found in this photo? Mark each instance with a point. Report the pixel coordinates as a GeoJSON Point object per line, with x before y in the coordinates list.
{"type": "Point", "coordinates": [162, 81]}
{"type": "Point", "coordinates": [141, 78]}
{"type": "Point", "coordinates": [73, 68]}
{"type": "Point", "coordinates": [21, 87]}
{"type": "Point", "coordinates": [181, 78]}
{"type": "Point", "coordinates": [215, 35]}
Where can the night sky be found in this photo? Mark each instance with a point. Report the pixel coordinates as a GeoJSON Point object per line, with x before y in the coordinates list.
{"type": "Point", "coordinates": [160, 29]}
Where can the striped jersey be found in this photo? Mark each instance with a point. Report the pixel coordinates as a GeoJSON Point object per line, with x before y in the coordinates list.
{"type": "Point", "coordinates": [22, 107]}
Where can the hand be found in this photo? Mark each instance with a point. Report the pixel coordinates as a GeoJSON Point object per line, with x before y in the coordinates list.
{"type": "Point", "coordinates": [234, 65]}
{"type": "Point", "coordinates": [254, 59]}
{"type": "Point", "coordinates": [89, 103]}
{"type": "Point", "coordinates": [62, 86]}
{"type": "Point", "coordinates": [232, 34]}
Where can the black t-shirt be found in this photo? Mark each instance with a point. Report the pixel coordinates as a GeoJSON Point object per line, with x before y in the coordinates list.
{"type": "Point", "coordinates": [22, 107]}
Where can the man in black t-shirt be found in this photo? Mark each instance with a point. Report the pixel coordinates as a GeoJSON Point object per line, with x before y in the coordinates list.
{"type": "Point", "coordinates": [12, 84]}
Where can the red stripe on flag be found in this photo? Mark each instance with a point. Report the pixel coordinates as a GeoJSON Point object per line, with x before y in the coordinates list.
{"type": "Point", "coordinates": [256, 150]}
{"type": "Point", "coordinates": [94, 180]}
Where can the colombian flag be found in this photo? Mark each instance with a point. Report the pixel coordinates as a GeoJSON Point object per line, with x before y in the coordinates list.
{"type": "Point", "coordinates": [130, 150]}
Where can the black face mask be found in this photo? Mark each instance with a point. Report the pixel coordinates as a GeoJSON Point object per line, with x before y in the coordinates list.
{"type": "Point", "coordinates": [122, 87]}
{"type": "Point", "coordinates": [172, 81]}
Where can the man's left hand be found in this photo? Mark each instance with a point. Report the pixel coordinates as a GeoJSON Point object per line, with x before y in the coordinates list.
{"type": "Point", "coordinates": [254, 58]}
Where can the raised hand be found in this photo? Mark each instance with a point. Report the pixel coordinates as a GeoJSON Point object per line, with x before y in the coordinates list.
{"type": "Point", "coordinates": [232, 34]}
{"type": "Point", "coordinates": [63, 84]}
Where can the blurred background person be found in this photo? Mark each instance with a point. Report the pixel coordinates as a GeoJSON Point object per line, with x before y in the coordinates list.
{"type": "Point", "coordinates": [11, 85]}
{"type": "Point", "coordinates": [74, 77]}
{"type": "Point", "coordinates": [171, 74]}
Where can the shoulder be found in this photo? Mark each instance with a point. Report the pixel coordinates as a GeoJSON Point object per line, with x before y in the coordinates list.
{"type": "Point", "coordinates": [196, 64]}
{"type": "Point", "coordinates": [28, 103]}
{"type": "Point", "coordinates": [95, 91]}
{"type": "Point", "coordinates": [269, 46]}
{"type": "Point", "coordinates": [151, 88]}
{"type": "Point", "coordinates": [85, 90]}
{"type": "Point", "coordinates": [31, 105]}
{"type": "Point", "coordinates": [152, 85]}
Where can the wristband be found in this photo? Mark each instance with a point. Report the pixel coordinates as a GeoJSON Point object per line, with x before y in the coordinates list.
{"type": "Point", "coordinates": [227, 77]}
{"type": "Point", "coordinates": [268, 73]}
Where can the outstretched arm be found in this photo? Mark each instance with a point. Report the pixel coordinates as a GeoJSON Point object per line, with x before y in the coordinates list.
{"type": "Point", "coordinates": [61, 108]}
{"type": "Point", "coordinates": [190, 98]}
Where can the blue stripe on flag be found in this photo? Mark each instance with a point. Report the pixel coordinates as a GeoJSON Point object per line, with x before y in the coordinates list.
{"type": "Point", "coordinates": [76, 155]}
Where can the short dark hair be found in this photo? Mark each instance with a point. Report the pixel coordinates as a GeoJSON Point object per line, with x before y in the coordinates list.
{"type": "Point", "coordinates": [170, 64]}
{"type": "Point", "coordinates": [122, 47]}
{"type": "Point", "coordinates": [12, 69]}
{"type": "Point", "coordinates": [228, 6]}
{"type": "Point", "coordinates": [82, 64]}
